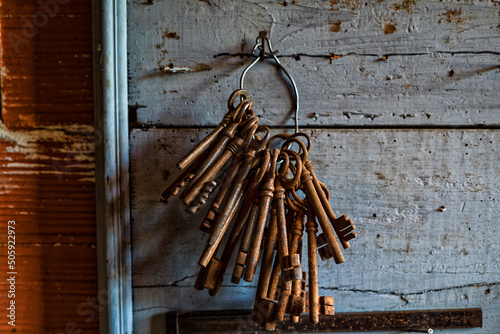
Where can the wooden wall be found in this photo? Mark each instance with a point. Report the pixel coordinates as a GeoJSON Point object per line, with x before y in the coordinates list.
{"type": "Point", "coordinates": [400, 98]}
{"type": "Point", "coordinates": [47, 165]}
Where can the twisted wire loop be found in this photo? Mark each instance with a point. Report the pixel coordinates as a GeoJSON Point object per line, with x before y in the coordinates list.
{"type": "Point", "coordinates": [260, 45]}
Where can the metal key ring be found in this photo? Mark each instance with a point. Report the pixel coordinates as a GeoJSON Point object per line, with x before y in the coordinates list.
{"type": "Point", "coordinates": [258, 143]}
{"type": "Point", "coordinates": [249, 113]}
{"type": "Point", "coordinates": [303, 152]}
{"type": "Point", "coordinates": [303, 202]}
{"type": "Point", "coordinates": [234, 96]}
{"type": "Point", "coordinates": [285, 162]}
{"type": "Point", "coordinates": [265, 159]}
{"type": "Point", "coordinates": [297, 135]}
{"type": "Point", "coordinates": [291, 202]}
{"type": "Point", "coordinates": [247, 125]}
{"type": "Point", "coordinates": [241, 116]}
{"type": "Point", "coordinates": [325, 190]}
{"type": "Point", "coordinates": [288, 183]}
{"type": "Point", "coordinates": [283, 136]}
{"type": "Point", "coordinates": [249, 135]}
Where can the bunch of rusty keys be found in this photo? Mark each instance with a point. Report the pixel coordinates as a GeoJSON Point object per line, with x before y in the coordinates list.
{"type": "Point", "coordinates": [292, 298]}
{"type": "Point", "coordinates": [258, 183]}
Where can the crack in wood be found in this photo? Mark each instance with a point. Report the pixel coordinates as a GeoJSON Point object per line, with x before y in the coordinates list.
{"type": "Point", "coordinates": [402, 295]}
{"type": "Point", "coordinates": [385, 56]}
{"type": "Point", "coordinates": [416, 293]}
{"type": "Point", "coordinates": [173, 284]}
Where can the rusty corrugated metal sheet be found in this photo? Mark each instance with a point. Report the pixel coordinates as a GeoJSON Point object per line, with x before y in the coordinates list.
{"type": "Point", "coordinates": [47, 182]}
{"type": "Point", "coordinates": [47, 64]}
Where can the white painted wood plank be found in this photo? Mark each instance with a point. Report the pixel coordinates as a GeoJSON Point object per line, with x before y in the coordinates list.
{"type": "Point", "coordinates": [405, 90]}
{"type": "Point", "coordinates": [409, 255]}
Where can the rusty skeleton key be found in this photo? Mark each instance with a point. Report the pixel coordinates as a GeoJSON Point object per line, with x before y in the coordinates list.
{"type": "Point", "coordinates": [235, 193]}
{"type": "Point", "coordinates": [229, 117]}
{"type": "Point", "coordinates": [265, 274]}
{"type": "Point", "coordinates": [290, 262]}
{"type": "Point", "coordinates": [240, 140]}
{"type": "Point", "coordinates": [224, 186]}
{"type": "Point", "coordinates": [209, 274]}
{"type": "Point", "coordinates": [184, 178]}
{"type": "Point", "coordinates": [241, 219]}
{"type": "Point", "coordinates": [295, 248]}
{"type": "Point", "coordinates": [343, 229]}
{"type": "Point", "coordinates": [266, 196]}
{"type": "Point", "coordinates": [189, 194]}
{"type": "Point", "coordinates": [312, 195]}
{"type": "Point", "coordinates": [313, 297]}
{"type": "Point", "coordinates": [241, 257]}
{"type": "Point", "coordinates": [264, 311]}
{"type": "Point", "coordinates": [269, 304]}
{"type": "Point", "coordinates": [338, 224]}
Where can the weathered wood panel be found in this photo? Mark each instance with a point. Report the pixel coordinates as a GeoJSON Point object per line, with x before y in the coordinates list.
{"type": "Point", "coordinates": [409, 254]}
{"type": "Point", "coordinates": [442, 66]}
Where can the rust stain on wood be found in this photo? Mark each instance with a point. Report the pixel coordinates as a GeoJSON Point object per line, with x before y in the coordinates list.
{"type": "Point", "coordinates": [170, 35]}
{"type": "Point", "coordinates": [406, 5]}
{"type": "Point", "coordinates": [453, 16]}
{"type": "Point", "coordinates": [389, 29]}
{"type": "Point", "coordinates": [335, 27]}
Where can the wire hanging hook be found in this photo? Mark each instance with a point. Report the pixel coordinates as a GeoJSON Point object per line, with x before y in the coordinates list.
{"type": "Point", "coordinates": [260, 45]}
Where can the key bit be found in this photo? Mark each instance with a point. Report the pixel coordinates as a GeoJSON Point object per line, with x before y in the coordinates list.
{"type": "Point", "coordinates": [202, 197]}
{"type": "Point", "coordinates": [264, 313]}
{"type": "Point", "coordinates": [184, 178]}
{"type": "Point", "coordinates": [177, 185]}
{"type": "Point", "coordinates": [207, 277]}
{"type": "Point", "coordinates": [345, 227]}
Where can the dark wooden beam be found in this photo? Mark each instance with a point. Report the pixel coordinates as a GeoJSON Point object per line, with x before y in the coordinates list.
{"type": "Point", "coordinates": [239, 321]}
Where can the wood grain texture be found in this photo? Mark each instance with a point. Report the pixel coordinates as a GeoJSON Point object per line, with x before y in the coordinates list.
{"type": "Point", "coordinates": [441, 68]}
{"type": "Point", "coordinates": [408, 254]}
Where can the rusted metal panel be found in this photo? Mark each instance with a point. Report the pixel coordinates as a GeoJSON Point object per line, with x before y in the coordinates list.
{"type": "Point", "coordinates": [47, 187]}
{"type": "Point", "coordinates": [46, 57]}
{"type": "Point", "coordinates": [376, 63]}
{"type": "Point", "coordinates": [409, 254]}
{"type": "Point", "coordinates": [47, 169]}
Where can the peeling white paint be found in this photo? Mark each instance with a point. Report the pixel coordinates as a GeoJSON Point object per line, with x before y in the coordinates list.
{"type": "Point", "coordinates": [78, 143]}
